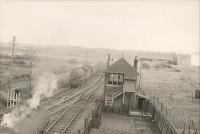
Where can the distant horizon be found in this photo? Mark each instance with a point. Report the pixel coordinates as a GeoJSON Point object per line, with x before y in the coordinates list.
{"type": "Point", "coordinates": [195, 56]}
{"type": "Point", "coordinates": [81, 46]}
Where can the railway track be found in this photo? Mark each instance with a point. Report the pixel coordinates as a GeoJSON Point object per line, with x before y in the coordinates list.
{"type": "Point", "coordinates": [50, 101]}
{"type": "Point", "coordinates": [64, 123]}
{"type": "Point", "coordinates": [64, 89]}
{"type": "Point", "coordinates": [58, 99]}
{"type": "Point", "coordinates": [67, 100]}
{"type": "Point", "coordinates": [64, 114]}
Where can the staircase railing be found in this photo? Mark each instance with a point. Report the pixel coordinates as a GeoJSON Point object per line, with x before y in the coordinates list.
{"type": "Point", "coordinates": [117, 93]}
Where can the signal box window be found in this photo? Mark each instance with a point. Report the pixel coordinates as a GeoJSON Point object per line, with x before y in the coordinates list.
{"type": "Point", "coordinates": [116, 79]}
{"type": "Point", "coordinates": [110, 78]}
{"type": "Point", "coordinates": [121, 79]}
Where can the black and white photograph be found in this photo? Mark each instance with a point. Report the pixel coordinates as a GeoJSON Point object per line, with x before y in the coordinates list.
{"type": "Point", "coordinates": [99, 67]}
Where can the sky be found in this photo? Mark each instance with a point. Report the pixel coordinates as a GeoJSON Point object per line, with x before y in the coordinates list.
{"type": "Point", "coordinates": [155, 25]}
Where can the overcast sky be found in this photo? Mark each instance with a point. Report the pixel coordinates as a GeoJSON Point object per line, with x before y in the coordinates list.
{"type": "Point", "coordinates": [149, 25]}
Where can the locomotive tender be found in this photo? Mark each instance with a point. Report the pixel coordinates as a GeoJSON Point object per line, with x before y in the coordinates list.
{"type": "Point", "coordinates": [80, 74]}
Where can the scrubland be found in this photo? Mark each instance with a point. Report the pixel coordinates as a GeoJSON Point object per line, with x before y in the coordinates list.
{"type": "Point", "coordinates": [177, 95]}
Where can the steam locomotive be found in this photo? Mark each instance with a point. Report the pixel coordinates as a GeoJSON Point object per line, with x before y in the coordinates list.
{"type": "Point", "coordinates": [80, 74]}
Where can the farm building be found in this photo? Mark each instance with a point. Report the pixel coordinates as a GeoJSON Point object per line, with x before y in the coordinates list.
{"type": "Point", "coordinates": [120, 85]}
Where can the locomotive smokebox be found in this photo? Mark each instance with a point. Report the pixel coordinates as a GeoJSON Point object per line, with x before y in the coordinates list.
{"type": "Point", "coordinates": [135, 62]}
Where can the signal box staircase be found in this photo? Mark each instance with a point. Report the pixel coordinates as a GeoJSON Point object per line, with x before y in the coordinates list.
{"type": "Point", "coordinates": [109, 98]}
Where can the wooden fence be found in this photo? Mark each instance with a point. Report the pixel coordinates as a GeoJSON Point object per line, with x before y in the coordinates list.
{"type": "Point", "coordinates": [92, 121]}
{"type": "Point", "coordinates": [165, 119]}
{"type": "Point", "coordinates": [159, 119]}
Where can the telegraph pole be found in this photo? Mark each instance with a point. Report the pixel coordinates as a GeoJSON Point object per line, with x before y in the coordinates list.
{"type": "Point", "coordinates": [108, 62]}
{"type": "Point", "coordinates": [199, 108]}
{"type": "Point", "coordinates": [11, 64]}
{"type": "Point", "coordinates": [140, 83]}
{"type": "Point", "coordinates": [30, 53]}
{"type": "Point", "coordinates": [30, 72]}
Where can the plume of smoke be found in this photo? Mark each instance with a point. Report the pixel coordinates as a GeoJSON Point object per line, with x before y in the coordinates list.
{"type": "Point", "coordinates": [12, 118]}
{"type": "Point", "coordinates": [46, 85]}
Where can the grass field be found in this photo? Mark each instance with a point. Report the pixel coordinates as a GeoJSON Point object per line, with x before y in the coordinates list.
{"type": "Point", "coordinates": [43, 62]}
{"type": "Point", "coordinates": [176, 95]}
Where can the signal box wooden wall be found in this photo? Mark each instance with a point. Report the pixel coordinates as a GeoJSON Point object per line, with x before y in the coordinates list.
{"type": "Point", "coordinates": [120, 86]}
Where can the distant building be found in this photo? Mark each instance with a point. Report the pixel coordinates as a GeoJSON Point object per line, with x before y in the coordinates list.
{"type": "Point", "coordinates": [120, 85]}
{"type": "Point", "coordinates": [173, 58]}
{"type": "Point", "coordinates": [183, 59]}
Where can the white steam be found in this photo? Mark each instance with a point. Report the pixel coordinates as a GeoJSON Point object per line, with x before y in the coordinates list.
{"type": "Point", "coordinates": [46, 85]}
{"type": "Point", "coordinates": [12, 118]}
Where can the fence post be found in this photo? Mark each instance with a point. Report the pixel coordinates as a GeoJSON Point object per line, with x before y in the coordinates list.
{"type": "Point", "coordinates": [192, 96]}
{"type": "Point", "coordinates": [79, 131]}
{"type": "Point", "coordinates": [157, 102]}
{"type": "Point", "coordinates": [86, 126]}
{"type": "Point", "coordinates": [93, 114]}
{"type": "Point", "coordinates": [162, 125]}
{"type": "Point", "coordinates": [153, 116]}
{"type": "Point", "coordinates": [167, 129]}
{"type": "Point", "coordinates": [189, 127]}
{"type": "Point", "coordinates": [194, 127]}
{"type": "Point", "coordinates": [183, 129]}
{"type": "Point", "coordinates": [173, 120]}
{"type": "Point", "coordinates": [161, 107]}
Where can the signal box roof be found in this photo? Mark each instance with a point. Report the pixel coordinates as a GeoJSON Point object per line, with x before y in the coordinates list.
{"type": "Point", "coordinates": [122, 66]}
